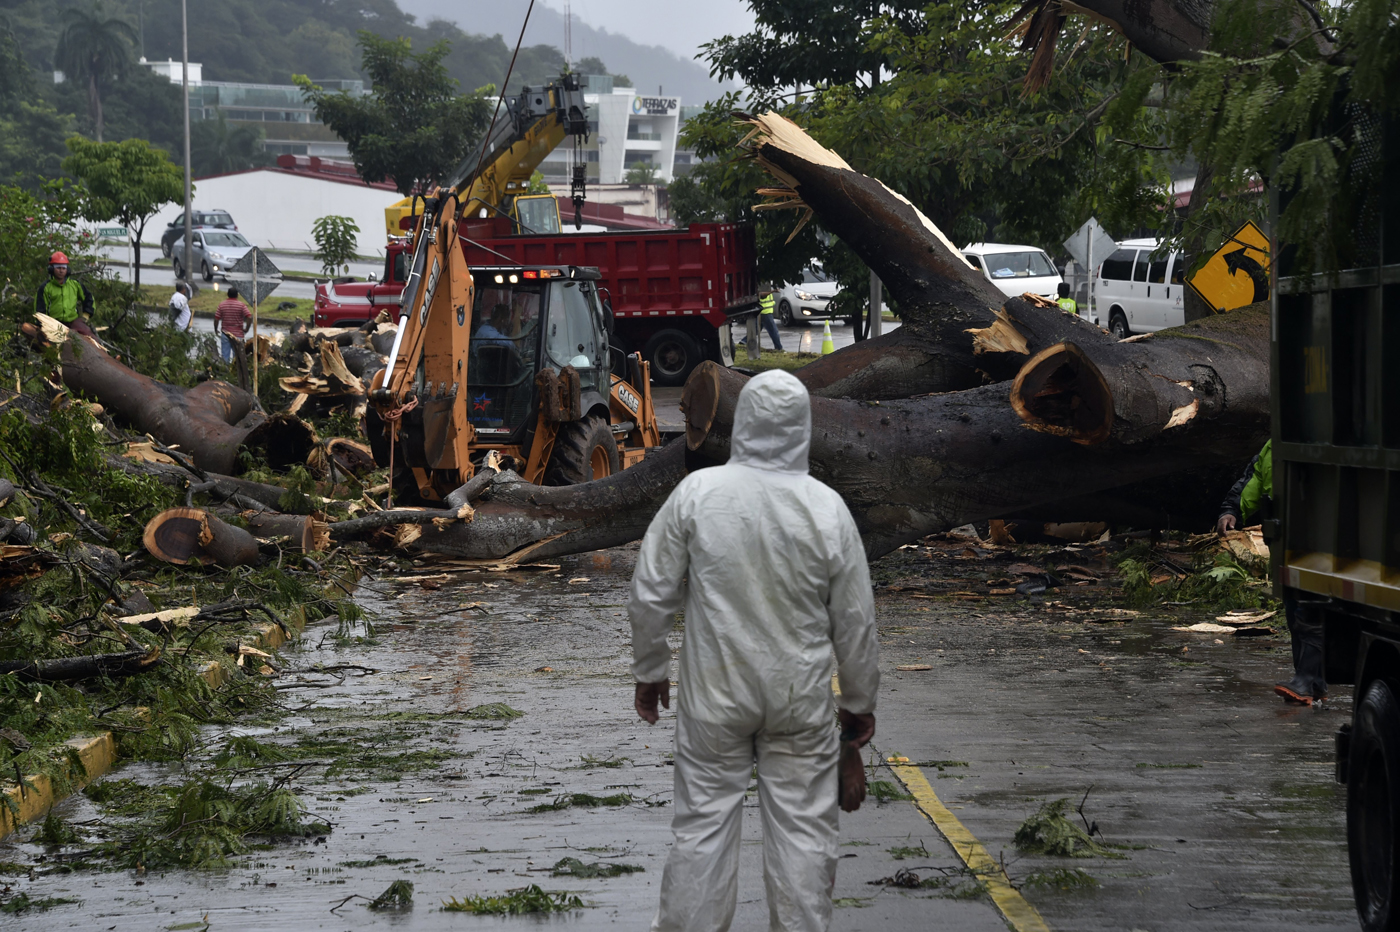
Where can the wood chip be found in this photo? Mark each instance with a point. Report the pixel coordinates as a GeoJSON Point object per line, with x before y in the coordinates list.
{"type": "Point", "coordinates": [912, 667]}
{"type": "Point", "coordinates": [169, 614]}
{"type": "Point", "coordinates": [579, 579]}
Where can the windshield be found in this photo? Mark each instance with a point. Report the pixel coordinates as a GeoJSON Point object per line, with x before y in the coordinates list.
{"type": "Point", "coordinates": [212, 238]}
{"type": "Point", "coordinates": [814, 277]}
{"type": "Point", "coordinates": [504, 349]}
{"type": "Point", "coordinates": [1031, 264]}
{"type": "Point", "coordinates": [538, 214]}
{"type": "Point", "coordinates": [574, 329]}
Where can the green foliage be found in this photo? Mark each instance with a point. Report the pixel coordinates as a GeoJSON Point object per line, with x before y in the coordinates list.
{"type": "Point", "coordinates": [124, 181]}
{"type": "Point", "coordinates": [1273, 101]}
{"type": "Point", "coordinates": [531, 899]}
{"type": "Point", "coordinates": [884, 791]}
{"type": "Point", "coordinates": [95, 49]}
{"type": "Point", "coordinates": [642, 173]}
{"type": "Point", "coordinates": [573, 867]}
{"type": "Point", "coordinates": [1050, 832]}
{"type": "Point", "coordinates": [22, 903]}
{"type": "Point", "coordinates": [1217, 580]}
{"type": "Point", "coordinates": [414, 126]}
{"type": "Point", "coordinates": [1061, 878]}
{"type": "Point", "coordinates": [335, 242]}
{"type": "Point", "coordinates": [219, 149]}
{"type": "Point", "coordinates": [54, 831]}
{"type": "Point", "coordinates": [398, 895]}
{"type": "Point", "coordinates": [583, 801]}
{"type": "Point", "coordinates": [900, 853]}
{"type": "Point", "coordinates": [948, 126]}
{"type": "Point", "coordinates": [64, 447]}
{"type": "Point", "coordinates": [493, 711]}
{"type": "Point", "coordinates": [537, 184]}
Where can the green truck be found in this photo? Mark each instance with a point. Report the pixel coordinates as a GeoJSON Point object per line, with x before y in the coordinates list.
{"type": "Point", "coordinates": [1336, 529]}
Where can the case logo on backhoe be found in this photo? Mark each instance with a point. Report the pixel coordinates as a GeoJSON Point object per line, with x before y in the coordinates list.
{"type": "Point", "coordinates": [428, 290]}
{"type": "Point", "coordinates": [629, 398]}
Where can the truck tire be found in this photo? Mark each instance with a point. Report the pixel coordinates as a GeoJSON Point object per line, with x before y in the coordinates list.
{"type": "Point", "coordinates": [1373, 808]}
{"type": "Point", "coordinates": [672, 354]}
{"type": "Point", "coordinates": [584, 450]}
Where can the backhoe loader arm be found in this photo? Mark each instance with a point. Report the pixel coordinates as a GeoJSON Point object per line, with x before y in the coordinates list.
{"type": "Point", "coordinates": [533, 125]}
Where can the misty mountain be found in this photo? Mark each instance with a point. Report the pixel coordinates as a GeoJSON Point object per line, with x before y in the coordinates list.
{"type": "Point", "coordinates": [649, 66]}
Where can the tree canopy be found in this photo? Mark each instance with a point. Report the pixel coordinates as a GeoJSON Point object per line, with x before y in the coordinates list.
{"type": "Point", "coordinates": [414, 126]}
{"type": "Point", "coordinates": [125, 181]}
{"type": "Point", "coordinates": [94, 48]}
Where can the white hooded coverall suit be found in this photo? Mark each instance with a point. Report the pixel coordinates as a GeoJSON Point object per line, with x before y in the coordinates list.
{"type": "Point", "coordinates": [769, 568]}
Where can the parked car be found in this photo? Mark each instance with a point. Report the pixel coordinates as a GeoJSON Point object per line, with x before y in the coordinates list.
{"type": "Point", "coordinates": [1140, 289]}
{"type": "Point", "coordinates": [1015, 270]}
{"type": "Point", "coordinates": [175, 229]}
{"type": "Point", "coordinates": [806, 300]}
{"type": "Point", "coordinates": [213, 253]}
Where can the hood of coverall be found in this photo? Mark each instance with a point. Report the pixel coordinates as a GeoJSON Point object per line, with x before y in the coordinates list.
{"type": "Point", "coordinates": [772, 423]}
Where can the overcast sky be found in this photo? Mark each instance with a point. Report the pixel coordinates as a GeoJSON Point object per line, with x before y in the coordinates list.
{"type": "Point", "coordinates": [679, 26]}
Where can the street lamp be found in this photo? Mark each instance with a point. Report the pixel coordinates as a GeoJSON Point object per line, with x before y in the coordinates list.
{"type": "Point", "coordinates": [185, 88]}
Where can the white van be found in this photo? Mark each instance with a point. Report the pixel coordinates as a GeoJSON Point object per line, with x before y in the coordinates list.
{"type": "Point", "coordinates": [1015, 270]}
{"type": "Point", "coordinates": [1139, 292]}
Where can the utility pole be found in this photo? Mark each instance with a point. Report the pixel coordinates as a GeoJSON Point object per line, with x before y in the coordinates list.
{"type": "Point", "coordinates": [877, 298]}
{"type": "Point", "coordinates": [185, 88]}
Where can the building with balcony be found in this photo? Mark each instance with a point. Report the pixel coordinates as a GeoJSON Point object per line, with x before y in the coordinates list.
{"type": "Point", "coordinates": [626, 129]}
{"type": "Point", "coordinates": [288, 123]}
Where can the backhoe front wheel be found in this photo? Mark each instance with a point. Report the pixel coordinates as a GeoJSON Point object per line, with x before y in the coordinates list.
{"type": "Point", "coordinates": [584, 450]}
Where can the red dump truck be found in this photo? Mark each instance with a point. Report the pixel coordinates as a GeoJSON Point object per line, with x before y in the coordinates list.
{"type": "Point", "coordinates": [673, 293]}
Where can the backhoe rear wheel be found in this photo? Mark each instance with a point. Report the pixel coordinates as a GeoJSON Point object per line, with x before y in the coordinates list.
{"type": "Point", "coordinates": [584, 450]}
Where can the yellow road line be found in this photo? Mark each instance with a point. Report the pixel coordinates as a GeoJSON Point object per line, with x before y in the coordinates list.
{"type": "Point", "coordinates": [1021, 916]}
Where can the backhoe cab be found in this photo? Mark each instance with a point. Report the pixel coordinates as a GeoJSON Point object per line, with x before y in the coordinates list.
{"type": "Point", "coordinates": [537, 386]}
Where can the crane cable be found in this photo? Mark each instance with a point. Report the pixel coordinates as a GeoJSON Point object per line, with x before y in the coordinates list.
{"type": "Point", "coordinates": [500, 98]}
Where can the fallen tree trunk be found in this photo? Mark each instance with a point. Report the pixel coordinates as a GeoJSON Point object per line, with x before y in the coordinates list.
{"type": "Point", "coordinates": [958, 331]}
{"type": "Point", "coordinates": [179, 535]}
{"type": "Point", "coordinates": [517, 519]}
{"type": "Point", "coordinates": [72, 669]}
{"type": "Point", "coordinates": [209, 422]}
{"type": "Point", "coordinates": [912, 467]}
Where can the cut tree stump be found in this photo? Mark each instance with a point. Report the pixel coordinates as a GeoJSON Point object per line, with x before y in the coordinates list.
{"type": "Point", "coordinates": [179, 535]}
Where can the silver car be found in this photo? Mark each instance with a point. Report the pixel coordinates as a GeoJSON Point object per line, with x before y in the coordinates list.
{"type": "Point", "coordinates": [806, 300]}
{"type": "Point", "coordinates": [213, 252]}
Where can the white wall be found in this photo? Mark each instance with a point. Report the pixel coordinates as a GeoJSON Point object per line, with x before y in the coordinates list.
{"type": "Point", "coordinates": [275, 210]}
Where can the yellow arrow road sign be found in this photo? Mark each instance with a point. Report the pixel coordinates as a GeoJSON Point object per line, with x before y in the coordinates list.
{"type": "Point", "coordinates": [1238, 273]}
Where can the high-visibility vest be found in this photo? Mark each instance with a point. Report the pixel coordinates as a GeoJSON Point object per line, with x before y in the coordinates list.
{"type": "Point", "coordinates": [1068, 305]}
{"type": "Point", "coordinates": [765, 304]}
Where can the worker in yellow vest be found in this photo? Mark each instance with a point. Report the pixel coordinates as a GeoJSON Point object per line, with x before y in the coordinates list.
{"type": "Point", "coordinates": [765, 315]}
{"type": "Point", "coordinates": [1066, 303]}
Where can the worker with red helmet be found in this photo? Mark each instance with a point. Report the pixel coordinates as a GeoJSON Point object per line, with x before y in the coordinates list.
{"type": "Point", "coordinates": [63, 297]}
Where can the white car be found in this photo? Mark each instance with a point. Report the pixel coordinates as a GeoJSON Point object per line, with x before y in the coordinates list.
{"type": "Point", "coordinates": [807, 300]}
{"type": "Point", "coordinates": [1015, 270]}
{"type": "Point", "coordinates": [214, 252]}
{"type": "Point", "coordinates": [1139, 292]}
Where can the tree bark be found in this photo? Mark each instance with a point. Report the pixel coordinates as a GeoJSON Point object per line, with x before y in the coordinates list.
{"type": "Point", "coordinates": [209, 422]}
{"type": "Point", "coordinates": [72, 669]}
{"type": "Point", "coordinates": [909, 468]}
{"type": "Point", "coordinates": [957, 330]}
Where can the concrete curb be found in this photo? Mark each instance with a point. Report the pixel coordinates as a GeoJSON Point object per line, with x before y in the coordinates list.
{"type": "Point", "coordinates": [24, 804]}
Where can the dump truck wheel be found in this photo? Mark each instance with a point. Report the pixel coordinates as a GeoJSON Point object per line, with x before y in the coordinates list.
{"type": "Point", "coordinates": [584, 450]}
{"type": "Point", "coordinates": [1373, 808]}
{"type": "Point", "coordinates": [672, 354]}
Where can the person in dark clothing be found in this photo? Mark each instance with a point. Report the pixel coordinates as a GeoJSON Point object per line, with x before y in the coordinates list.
{"type": "Point", "coordinates": [1251, 496]}
{"type": "Point", "coordinates": [64, 298]}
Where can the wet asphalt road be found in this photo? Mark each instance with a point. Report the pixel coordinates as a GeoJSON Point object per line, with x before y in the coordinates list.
{"type": "Point", "coordinates": [1221, 798]}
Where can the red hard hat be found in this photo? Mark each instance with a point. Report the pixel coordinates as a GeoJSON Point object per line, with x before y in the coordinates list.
{"type": "Point", "coordinates": [58, 258]}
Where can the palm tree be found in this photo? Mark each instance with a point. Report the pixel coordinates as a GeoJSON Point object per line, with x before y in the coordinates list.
{"type": "Point", "coordinates": [96, 48]}
{"type": "Point", "coordinates": [218, 149]}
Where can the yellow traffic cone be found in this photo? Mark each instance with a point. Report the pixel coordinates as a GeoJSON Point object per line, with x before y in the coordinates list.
{"type": "Point", "coordinates": [827, 345]}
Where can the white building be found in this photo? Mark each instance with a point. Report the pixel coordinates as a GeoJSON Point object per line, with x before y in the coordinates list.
{"type": "Point", "coordinates": [274, 207]}
{"type": "Point", "coordinates": [626, 129]}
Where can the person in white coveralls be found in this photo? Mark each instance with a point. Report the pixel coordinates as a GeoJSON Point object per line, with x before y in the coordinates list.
{"type": "Point", "coordinates": [768, 566]}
